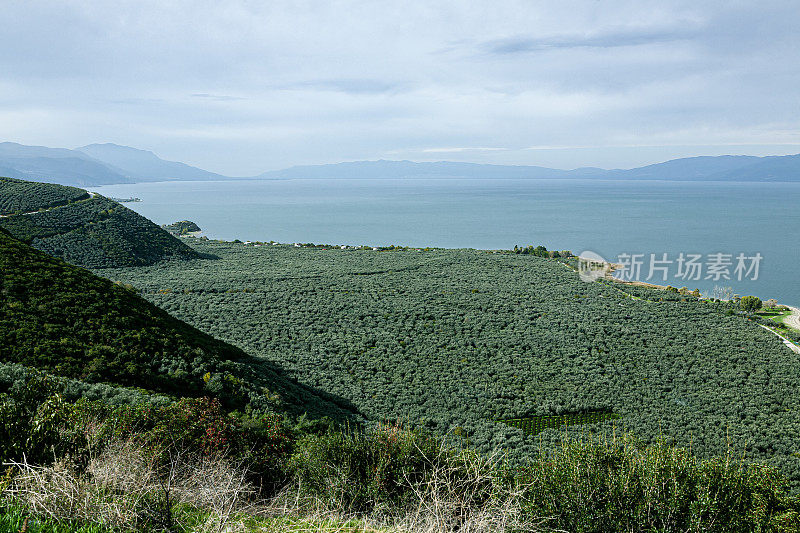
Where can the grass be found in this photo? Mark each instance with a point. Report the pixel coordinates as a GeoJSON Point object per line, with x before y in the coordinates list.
{"type": "Point", "coordinates": [778, 316]}
{"type": "Point", "coordinates": [15, 518]}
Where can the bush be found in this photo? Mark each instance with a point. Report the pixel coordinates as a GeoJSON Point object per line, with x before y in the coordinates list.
{"type": "Point", "coordinates": [619, 485]}
{"type": "Point", "coordinates": [362, 471]}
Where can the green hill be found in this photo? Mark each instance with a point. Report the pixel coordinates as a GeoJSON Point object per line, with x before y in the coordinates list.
{"type": "Point", "coordinates": [18, 196]}
{"type": "Point", "coordinates": [64, 320]}
{"type": "Point", "coordinates": [93, 232]}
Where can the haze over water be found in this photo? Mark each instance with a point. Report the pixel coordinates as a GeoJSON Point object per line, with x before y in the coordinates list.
{"type": "Point", "coordinates": [604, 216]}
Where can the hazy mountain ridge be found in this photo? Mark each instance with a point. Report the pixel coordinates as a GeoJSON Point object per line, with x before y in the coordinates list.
{"type": "Point", "coordinates": [701, 168]}
{"type": "Point", "coordinates": [399, 169]}
{"type": "Point", "coordinates": [143, 165]}
{"type": "Point", "coordinates": [105, 164]}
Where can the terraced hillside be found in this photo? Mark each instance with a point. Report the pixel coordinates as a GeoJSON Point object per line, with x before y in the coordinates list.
{"type": "Point", "coordinates": [460, 340]}
{"type": "Point", "coordinates": [93, 232]}
{"type": "Point", "coordinates": [18, 196]}
{"type": "Point", "coordinates": [66, 321]}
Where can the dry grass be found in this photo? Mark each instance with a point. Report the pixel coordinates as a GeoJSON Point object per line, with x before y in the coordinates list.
{"type": "Point", "coordinates": [124, 488]}
{"type": "Point", "coordinates": [462, 496]}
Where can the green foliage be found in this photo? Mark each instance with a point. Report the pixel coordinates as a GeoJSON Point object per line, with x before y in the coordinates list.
{"type": "Point", "coordinates": [96, 233]}
{"type": "Point", "coordinates": [591, 485]}
{"type": "Point", "coordinates": [361, 471]}
{"type": "Point", "coordinates": [750, 304]}
{"type": "Point", "coordinates": [537, 424]}
{"type": "Point", "coordinates": [67, 321]}
{"type": "Point", "coordinates": [463, 338]}
{"type": "Point", "coordinates": [538, 251]}
{"type": "Point", "coordinates": [182, 227]}
{"type": "Point", "coordinates": [620, 485]}
{"type": "Point", "coordinates": [18, 196]}
{"type": "Point", "coordinates": [16, 518]}
{"type": "Point", "coordinates": [39, 426]}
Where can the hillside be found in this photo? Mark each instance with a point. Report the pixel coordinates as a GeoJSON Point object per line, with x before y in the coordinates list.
{"type": "Point", "coordinates": [18, 196]}
{"type": "Point", "coordinates": [458, 340]}
{"type": "Point", "coordinates": [92, 232]}
{"type": "Point", "coordinates": [65, 320]}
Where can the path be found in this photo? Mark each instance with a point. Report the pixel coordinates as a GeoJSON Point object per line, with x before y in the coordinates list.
{"type": "Point", "coordinates": [792, 346]}
{"type": "Point", "coordinates": [793, 320]}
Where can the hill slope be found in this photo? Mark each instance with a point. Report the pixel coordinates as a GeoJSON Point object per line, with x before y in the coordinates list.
{"type": "Point", "coordinates": [65, 320]}
{"type": "Point", "coordinates": [87, 231]}
{"type": "Point", "coordinates": [17, 196]}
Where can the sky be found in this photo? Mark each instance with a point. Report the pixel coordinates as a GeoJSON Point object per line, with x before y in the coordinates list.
{"type": "Point", "coordinates": [242, 87]}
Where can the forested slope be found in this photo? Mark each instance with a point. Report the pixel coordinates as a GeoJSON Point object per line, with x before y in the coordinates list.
{"type": "Point", "coordinates": [91, 232]}
{"type": "Point", "coordinates": [18, 196]}
{"type": "Point", "coordinates": [66, 321]}
{"type": "Point", "coordinates": [459, 339]}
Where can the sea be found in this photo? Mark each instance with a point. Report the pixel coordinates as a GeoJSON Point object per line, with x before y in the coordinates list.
{"type": "Point", "coordinates": [742, 237]}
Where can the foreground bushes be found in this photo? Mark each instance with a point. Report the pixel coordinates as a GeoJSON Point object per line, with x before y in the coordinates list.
{"type": "Point", "coordinates": [220, 464]}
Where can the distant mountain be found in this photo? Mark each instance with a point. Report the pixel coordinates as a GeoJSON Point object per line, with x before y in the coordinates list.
{"type": "Point", "coordinates": [704, 168]}
{"type": "Point", "coordinates": [141, 165]}
{"type": "Point", "coordinates": [770, 168]}
{"type": "Point", "coordinates": [403, 169]}
{"type": "Point", "coordinates": [688, 169]}
{"type": "Point", "coordinates": [102, 164]}
{"type": "Point", "coordinates": [55, 165]}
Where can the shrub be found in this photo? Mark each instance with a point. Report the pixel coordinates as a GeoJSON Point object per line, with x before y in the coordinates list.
{"type": "Point", "coordinates": [362, 471]}
{"type": "Point", "coordinates": [619, 485]}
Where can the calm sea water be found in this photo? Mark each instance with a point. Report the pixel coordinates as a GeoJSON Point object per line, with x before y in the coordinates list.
{"type": "Point", "coordinates": [607, 217]}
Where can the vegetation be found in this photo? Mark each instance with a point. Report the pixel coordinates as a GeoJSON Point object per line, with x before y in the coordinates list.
{"type": "Point", "coordinates": [64, 320]}
{"type": "Point", "coordinates": [115, 415]}
{"type": "Point", "coordinates": [192, 466]}
{"type": "Point", "coordinates": [96, 233]}
{"type": "Point", "coordinates": [182, 227]}
{"type": "Point", "coordinates": [537, 424]}
{"type": "Point", "coordinates": [18, 196]}
{"type": "Point", "coordinates": [750, 304]}
{"type": "Point", "coordinates": [455, 340]}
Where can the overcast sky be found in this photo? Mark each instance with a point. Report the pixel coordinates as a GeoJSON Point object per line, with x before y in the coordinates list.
{"type": "Point", "coordinates": [240, 87]}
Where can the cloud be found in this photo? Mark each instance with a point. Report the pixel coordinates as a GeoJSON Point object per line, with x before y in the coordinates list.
{"type": "Point", "coordinates": [350, 86]}
{"type": "Point", "coordinates": [217, 97]}
{"type": "Point", "coordinates": [241, 87]}
{"type": "Point", "coordinates": [612, 39]}
{"type": "Point", "coordinates": [461, 149]}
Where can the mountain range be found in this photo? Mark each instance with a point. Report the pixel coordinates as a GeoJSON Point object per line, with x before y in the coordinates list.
{"type": "Point", "coordinates": [104, 164]}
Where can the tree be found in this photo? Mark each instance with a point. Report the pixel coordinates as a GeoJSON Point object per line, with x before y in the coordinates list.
{"type": "Point", "coordinates": [750, 304]}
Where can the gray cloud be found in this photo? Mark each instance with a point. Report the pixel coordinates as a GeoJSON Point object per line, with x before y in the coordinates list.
{"type": "Point", "coordinates": [217, 97]}
{"type": "Point", "coordinates": [351, 86]}
{"type": "Point", "coordinates": [240, 87]}
{"type": "Point", "coordinates": [524, 44]}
